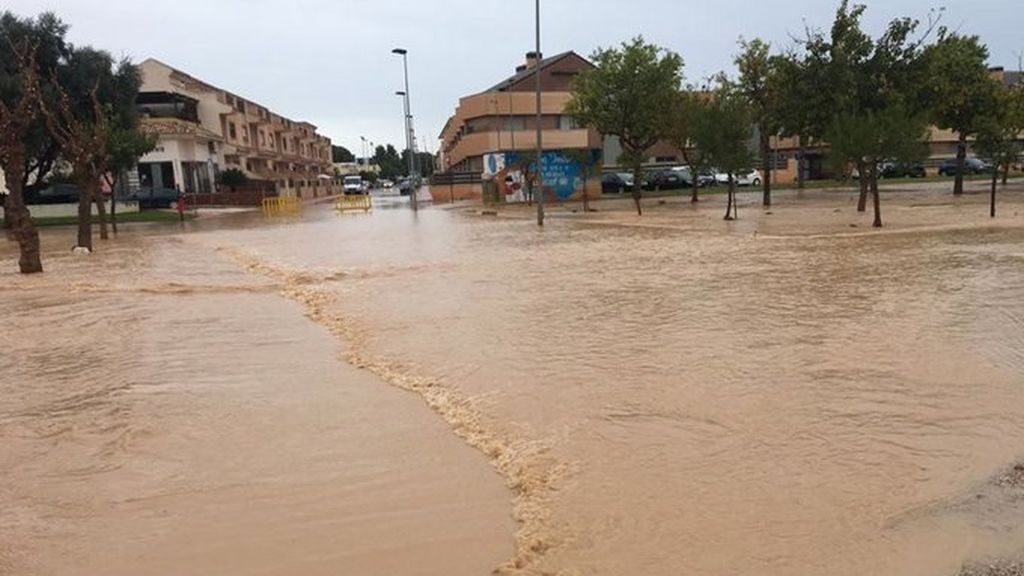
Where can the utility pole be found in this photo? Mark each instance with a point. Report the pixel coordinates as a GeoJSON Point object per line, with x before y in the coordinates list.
{"type": "Point", "coordinates": [411, 145]}
{"type": "Point", "coordinates": [539, 179]}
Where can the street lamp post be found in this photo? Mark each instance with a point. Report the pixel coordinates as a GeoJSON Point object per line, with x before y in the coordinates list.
{"type": "Point", "coordinates": [539, 179]}
{"type": "Point", "coordinates": [410, 145]}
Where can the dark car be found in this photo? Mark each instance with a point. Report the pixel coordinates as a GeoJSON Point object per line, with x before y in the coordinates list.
{"type": "Point", "coordinates": [616, 183]}
{"type": "Point", "coordinates": [155, 198]}
{"type": "Point", "coordinates": [668, 180]}
{"type": "Point", "coordinates": [971, 166]}
{"type": "Point", "coordinates": [706, 177]}
{"type": "Point", "coordinates": [54, 194]}
{"type": "Point", "coordinates": [901, 170]}
{"type": "Point", "coordinates": [406, 186]}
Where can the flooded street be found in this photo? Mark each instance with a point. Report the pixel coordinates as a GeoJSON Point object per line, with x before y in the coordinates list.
{"type": "Point", "coordinates": [784, 396]}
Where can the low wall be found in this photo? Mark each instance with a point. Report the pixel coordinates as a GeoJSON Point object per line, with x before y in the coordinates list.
{"type": "Point", "coordinates": [475, 191]}
{"type": "Point", "coordinates": [66, 210]}
{"type": "Point", "coordinates": [445, 192]}
{"type": "Point", "coordinates": [241, 198]}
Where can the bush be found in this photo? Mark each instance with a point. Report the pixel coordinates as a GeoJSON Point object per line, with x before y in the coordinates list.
{"type": "Point", "coordinates": [232, 178]}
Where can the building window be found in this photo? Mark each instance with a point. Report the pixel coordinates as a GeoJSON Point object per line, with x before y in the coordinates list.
{"type": "Point", "coordinates": [567, 123]}
{"type": "Point", "coordinates": [232, 131]}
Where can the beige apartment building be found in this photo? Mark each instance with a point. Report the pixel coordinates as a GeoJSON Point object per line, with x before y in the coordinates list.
{"type": "Point", "coordinates": [491, 129]}
{"type": "Point", "coordinates": [204, 130]}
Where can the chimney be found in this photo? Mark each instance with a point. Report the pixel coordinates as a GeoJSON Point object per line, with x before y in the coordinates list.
{"type": "Point", "coordinates": [532, 58]}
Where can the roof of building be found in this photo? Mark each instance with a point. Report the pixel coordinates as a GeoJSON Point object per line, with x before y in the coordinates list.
{"type": "Point", "coordinates": [194, 82]}
{"type": "Point", "coordinates": [525, 73]}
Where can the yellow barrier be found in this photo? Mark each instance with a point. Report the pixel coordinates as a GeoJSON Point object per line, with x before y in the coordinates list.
{"type": "Point", "coordinates": [282, 205]}
{"type": "Point", "coordinates": [362, 202]}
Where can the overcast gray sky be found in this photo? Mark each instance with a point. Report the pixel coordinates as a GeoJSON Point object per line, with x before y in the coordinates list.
{"type": "Point", "coordinates": [330, 61]}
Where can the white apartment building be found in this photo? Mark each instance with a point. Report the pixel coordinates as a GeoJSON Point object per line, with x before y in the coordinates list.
{"type": "Point", "coordinates": [204, 130]}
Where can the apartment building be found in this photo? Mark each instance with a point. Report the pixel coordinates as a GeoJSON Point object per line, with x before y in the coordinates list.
{"type": "Point", "coordinates": [491, 130]}
{"type": "Point", "coordinates": [204, 130]}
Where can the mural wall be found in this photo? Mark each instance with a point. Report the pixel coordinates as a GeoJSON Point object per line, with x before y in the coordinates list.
{"type": "Point", "coordinates": [562, 175]}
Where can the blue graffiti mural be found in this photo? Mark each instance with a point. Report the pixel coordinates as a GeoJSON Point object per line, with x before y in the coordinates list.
{"type": "Point", "coordinates": [562, 175]}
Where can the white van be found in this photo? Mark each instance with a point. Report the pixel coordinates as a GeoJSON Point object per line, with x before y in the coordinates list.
{"type": "Point", "coordinates": [353, 184]}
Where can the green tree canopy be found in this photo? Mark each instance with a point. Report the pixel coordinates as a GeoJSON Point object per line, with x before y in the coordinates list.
{"type": "Point", "coordinates": [628, 95]}
{"type": "Point", "coordinates": [340, 154]}
{"type": "Point", "coordinates": [758, 82]}
{"type": "Point", "coordinates": [998, 138]}
{"type": "Point", "coordinates": [47, 34]}
{"type": "Point", "coordinates": [960, 89]}
{"type": "Point", "coordinates": [390, 162]}
{"type": "Point", "coordinates": [723, 131]}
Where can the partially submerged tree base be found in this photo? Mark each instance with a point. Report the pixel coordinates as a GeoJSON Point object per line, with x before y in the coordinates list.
{"type": "Point", "coordinates": [24, 232]}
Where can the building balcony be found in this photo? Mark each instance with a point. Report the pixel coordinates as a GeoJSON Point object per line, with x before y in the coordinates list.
{"type": "Point", "coordinates": [165, 127]}
{"type": "Point", "coordinates": [481, 143]}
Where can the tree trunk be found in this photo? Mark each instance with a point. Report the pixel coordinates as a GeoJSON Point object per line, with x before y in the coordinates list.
{"type": "Point", "coordinates": [875, 195]}
{"type": "Point", "coordinates": [862, 202]}
{"type": "Point", "coordinates": [638, 190]}
{"type": "Point", "coordinates": [766, 167]}
{"type": "Point", "coordinates": [113, 204]}
{"type": "Point", "coordinates": [730, 207]}
{"type": "Point", "coordinates": [695, 195]}
{"type": "Point", "coordinates": [85, 195]}
{"type": "Point", "coordinates": [586, 197]}
{"type": "Point", "coordinates": [101, 212]}
{"type": "Point", "coordinates": [800, 166]}
{"type": "Point", "coordinates": [22, 230]}
{"type": "Point", "coordinates": [961, 156]}
{"type": "Point", "coordinates": [995, 181]}
{"type": "Point", "coordinates": [1006, 173]}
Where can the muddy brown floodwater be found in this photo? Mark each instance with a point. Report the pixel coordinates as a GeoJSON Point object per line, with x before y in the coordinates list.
{"type": "Point", "coordinates": [444, 393]}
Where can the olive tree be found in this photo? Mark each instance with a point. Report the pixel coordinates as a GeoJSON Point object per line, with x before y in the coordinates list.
{"type": "Point", "coordinates": [758, 82]}
{"type": "Point", "coordinates": [682, 125]}
{"type": "Point", "coordinates": [15, 123]}
{"type": "Point", "coordinates": [94, 105]}
{"type": "Point", "coordinates": [865, 138]}
{"type": "Point", "coordinates": [628, 94]}
{"type": "Point", "coordinates": [723, 130]}
{"type": "Point", "coordinates": [960, 90]}
{"type": "Point", "coordinates": [999, 133]}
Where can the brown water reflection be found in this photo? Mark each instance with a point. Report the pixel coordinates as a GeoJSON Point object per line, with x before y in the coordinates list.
{"type": "Point", "coordinates": [661, 399]}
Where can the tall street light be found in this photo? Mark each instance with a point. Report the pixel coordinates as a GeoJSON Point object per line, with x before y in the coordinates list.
{"type": "Point", "coordinates": [410, 145]}
{"type": "Point", "coordinates": [540, 148]}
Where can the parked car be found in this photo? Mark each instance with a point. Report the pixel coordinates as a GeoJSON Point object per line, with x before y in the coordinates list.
{"type": "Point", "coordinates": [616, 182]}
{"type": "Point", "coordinates": [971, 166]}
{"type": "Point", "coordinates": [54, 194]}
{"type": "Point", "coordinates": [901, 170]}
{"type": "Point", "coordinates": [668, 180]}
{"type": "Point", "coordinates": [155, 198]}
{"type": "Point", "coordinates": [752, 178]}
{"type": "Point", "coordinates": [706, 177]}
